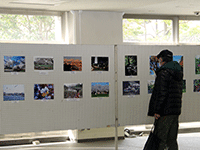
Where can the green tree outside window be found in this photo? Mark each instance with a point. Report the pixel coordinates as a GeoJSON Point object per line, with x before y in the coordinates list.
{"type": "Point", "coordinates": [27, 27]}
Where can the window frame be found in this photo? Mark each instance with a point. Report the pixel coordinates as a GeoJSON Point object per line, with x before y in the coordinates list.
{"type": "Point", "coordinates": [175, 27]}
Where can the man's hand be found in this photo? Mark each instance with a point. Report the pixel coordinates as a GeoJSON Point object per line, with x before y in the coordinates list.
{"type": "Point", "coordinates": [157, 116]}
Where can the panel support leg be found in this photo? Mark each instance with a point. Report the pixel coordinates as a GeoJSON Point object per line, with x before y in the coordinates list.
{"type": "Point", "coordinates": [116, 95]}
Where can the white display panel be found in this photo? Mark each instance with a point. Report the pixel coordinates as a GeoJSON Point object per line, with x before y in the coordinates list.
{"type": "Point", "coordinates": [45, 107]}
{"type": "Point", "coordinates": [133, 110]}
{"type": "Point", "coordinates": [51, 111]}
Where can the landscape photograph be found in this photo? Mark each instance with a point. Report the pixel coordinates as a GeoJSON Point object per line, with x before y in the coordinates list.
{"type": "Point", "coordinates": [131, 87]}
{"type": "Point", "coordinates": [43, 63]}
{"type": "Point", "coordinates": [100, 89]}
{"type": "Point", "coordinates": [72, 63]}
{"type": "Point", "coordinates": [13, 92]}
{"type": "Point", "coordinates": [14, 64]}
{"type": "Point", "coordinates": [73, 90]}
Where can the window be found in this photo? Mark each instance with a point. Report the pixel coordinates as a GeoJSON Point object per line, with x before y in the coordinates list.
{"type": "Point", "coordinates": [189, 31]}
{"type": "Point", "coordinates": [147, 30]}
{"type": "Point", "coordinates": [30, 27]}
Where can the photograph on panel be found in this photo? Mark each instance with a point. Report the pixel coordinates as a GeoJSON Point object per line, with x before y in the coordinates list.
{"type": "Point", "coordinates": [179, 59]}
{"type": "Point", "coordinates": [72, 63]}
{"type": "Point", "coordinates": [150, 86]}
{"type": "Point", "coordinates": [130, 65]}
{"type": "Point", "coordinates": [197, 85]}
{"type": "Point", "coordinates": [184, 86]}
{"type": "Point", "coordinates": [131, 87]}
{"type": "Point", "coordinates": [99, 63]}
{"type": "Point", "coordinates": [100, 89]}
{"type": "Point", "coordinates": [73, 90]}
{"type": "Point", "coordinates": [197, 64]}
{"type": "Point", "coordinates": [43, 63]}
{"type": "Point", "coordinates": [14, 64]}
{"type": "Point", "coordinates": [43, 91]}
{"type": "Point", "coordinates": [13, 92]}
{"type": "Point", "coordinates": [154, 64]}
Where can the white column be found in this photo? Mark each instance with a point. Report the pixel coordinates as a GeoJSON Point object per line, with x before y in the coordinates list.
{"type": "Point", "coordinates": [99, 27]}
{"type": "Point", "coordinates": [95, 27]}
{"type": "Point", "coordinates": [175, 30]}
{"type": "Point", "coordinates": [65, 27]}
{"type": "Point", "coordinates": [76, 26]}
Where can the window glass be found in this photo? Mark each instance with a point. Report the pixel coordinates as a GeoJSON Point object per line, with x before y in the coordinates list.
{"type": "Point", "coordinates": [189, 31]}
{"type": "Point", "coordinates": [144, 30]}
{"type": "Point", "coordinates": [30, 27]}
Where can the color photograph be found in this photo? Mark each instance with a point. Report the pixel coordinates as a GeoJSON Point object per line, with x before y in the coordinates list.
{"type": "Point", "coordinates": [184, 86]}
{"type": "Point", "coordinates": [197, 85]}
{"type": "Point", "coordinates": [13, 92]}
{"type": "Point", "coordinates": [43, 91]}
{"type": "Point", "coordinates": [197, 64]}
{"type": "Point", "coordinates": [14, 63]}
{"type": "Point", "coordinates": [150, 86]}
{"type": "Point", "coordinates": [131, 87]}
{"type": "Point", "coordinates": [100, 89]}
{"type": "Point", "coordinates": [72, 63]}
{"type": "Point", "coordinates": [179, 59]}
{"type": "Point", "coordinates": [130, 65]}
{"type": "Point", "coordinates": [43, 63]}
{"type": "Point", "coordinates": [154, 64]}
{"type": "Point", "coordinates": [73, 90]}
{"type": "Point", "coordinates": [99, 63]}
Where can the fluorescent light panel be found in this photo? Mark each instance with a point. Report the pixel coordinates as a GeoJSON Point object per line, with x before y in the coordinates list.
{"type": "Point", "coordinates": [38, 2]}
{"type": "Point", "coordinates": [32, 3]}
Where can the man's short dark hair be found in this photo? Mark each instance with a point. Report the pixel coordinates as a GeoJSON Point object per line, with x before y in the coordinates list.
{"type": "Point", "coordinates": [167, 59]}
{"type": "Point", "coordinates": [166, 55]}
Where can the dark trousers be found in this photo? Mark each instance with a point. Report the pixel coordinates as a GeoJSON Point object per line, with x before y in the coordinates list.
{"type": "Point", "coordinates": [167, 130]}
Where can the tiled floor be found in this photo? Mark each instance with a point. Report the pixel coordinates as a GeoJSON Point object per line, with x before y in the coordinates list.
{"type": "Point", "coordinates": [187, 141]}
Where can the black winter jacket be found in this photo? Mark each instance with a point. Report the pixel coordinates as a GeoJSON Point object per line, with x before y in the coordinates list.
{"type": "Point", "coordinates": [166, 98]}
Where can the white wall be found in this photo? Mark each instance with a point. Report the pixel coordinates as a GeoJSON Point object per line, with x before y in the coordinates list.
{"type": "Point", "coordinates": [95, 27]}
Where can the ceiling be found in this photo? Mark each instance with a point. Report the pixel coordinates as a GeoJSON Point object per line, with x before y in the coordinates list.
{"type": "Point", "coordinates": [164, 7]}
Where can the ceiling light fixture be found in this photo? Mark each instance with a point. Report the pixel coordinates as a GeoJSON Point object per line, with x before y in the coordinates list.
{"type": "Point", "coordinates": [38, 2]}
{"type": "Point", "coordinates": [22, 3]}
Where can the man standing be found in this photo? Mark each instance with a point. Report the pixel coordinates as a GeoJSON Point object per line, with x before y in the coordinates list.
{"type": "Point", "coordinates": [166, 100]}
